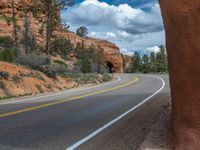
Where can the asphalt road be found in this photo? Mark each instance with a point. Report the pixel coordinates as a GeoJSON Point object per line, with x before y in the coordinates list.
{"type": "Point", "coordinates": [70, 119]}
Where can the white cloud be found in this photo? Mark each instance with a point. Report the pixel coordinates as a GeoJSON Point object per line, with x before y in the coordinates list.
{"type": "Point", "coordinates": [155, 49]}
{"type": "Point", "coordinates": [128, 27]}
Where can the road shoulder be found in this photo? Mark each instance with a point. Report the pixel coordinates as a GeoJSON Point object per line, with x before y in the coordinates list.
{"type": "Point", "coordinates": [134, 129]}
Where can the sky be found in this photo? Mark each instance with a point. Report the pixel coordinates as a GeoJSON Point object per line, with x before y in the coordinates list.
{"type": "Point", "coordinates": [133, 25]}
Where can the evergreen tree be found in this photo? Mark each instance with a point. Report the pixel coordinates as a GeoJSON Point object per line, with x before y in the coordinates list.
{"type": "Point", "coordinates": [99, 59]}
{"type": "Point", "coordinates": [15, 26]}
{"type": "Point", "coordinates": [145, 64]}
{"type": "Point", "coordinates": [136, 62]}
{"type": "Point", "coordinates": [82, 31]}
{"type": "Point", "coordinates": [153, 62]}
{"type": "Point", "coordinates": [161, 59]}
{"type": "Point", "coordinates": [50, 16]}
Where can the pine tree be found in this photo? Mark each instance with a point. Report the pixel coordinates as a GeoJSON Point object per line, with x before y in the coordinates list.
{"type": "Point", "coordinates": [136, 62]}
{"type": "Point", "coordinates": [99, 59]}
{"type": "Point", "coordinates": [161, 59]}
{"type": "Point", "coordinates": [50, 16]}
{"type": "Point", "coordinates": [14, 21]}
{"type": "Point", "coordinates": [153, 62]}
{"type": "Point", "coordinates": [145, 64]}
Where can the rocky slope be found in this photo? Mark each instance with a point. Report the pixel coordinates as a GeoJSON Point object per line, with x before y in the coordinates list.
{"type": "Point", "coordinates": [20, 81]}
{"type": "Point", "coordinates": [182, 25]}
{"type": "Point", "coordinates": [111, 51]}
{"type": "Point", "coordinates": [23, 81]}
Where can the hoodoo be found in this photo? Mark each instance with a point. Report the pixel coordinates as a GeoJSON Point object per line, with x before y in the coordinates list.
{"type": "Point", "coordinates": [182, 25]}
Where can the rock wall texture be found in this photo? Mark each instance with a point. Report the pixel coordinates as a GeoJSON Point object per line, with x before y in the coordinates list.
{"type": "Point", "coordinates": [111, 51]}
{"type": "Point", "coordinates": [127, 62]}
{"type": "Point", "coordinates": [182, 25]}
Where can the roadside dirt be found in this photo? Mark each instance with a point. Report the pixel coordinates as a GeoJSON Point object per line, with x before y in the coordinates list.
{"type": "Point", "coordinates": [23, 81]}
{"type": "Point", "coordinates": [145, 129]}
{"type": "Point", "coordinates": [159, 138]}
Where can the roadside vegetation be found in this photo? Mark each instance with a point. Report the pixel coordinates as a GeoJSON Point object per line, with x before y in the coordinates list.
{"type": "Point", "coordinates": [150, 63]}
{"type": "Point", "coordinates": [22, 49]}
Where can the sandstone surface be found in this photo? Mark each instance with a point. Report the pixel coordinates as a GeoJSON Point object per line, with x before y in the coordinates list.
{"type": "Point", "coordinates": [182, 25]}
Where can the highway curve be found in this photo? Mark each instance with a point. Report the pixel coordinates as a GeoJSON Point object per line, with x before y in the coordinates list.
{"type": "Point", "coordinates": [71, 119]}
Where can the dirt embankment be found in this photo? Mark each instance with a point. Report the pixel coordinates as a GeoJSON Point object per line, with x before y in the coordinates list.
{"type": "Point", "coordinates": [20, 81]}
{"type": "Point", "coordinates": [23, 81]}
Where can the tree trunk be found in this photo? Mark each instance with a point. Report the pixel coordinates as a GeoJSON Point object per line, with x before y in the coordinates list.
{"type": "Point", "coordinates": [14, 26]}
{"type": "Point", "coordinates": [26, 37]}
{"type": "Point", "coordinates": [182, 26]}
{"type": "Point", "coordinates": [49, 28]}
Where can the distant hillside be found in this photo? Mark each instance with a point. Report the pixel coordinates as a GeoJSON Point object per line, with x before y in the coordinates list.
{"type": "Point", "coordinates": [111, 51]}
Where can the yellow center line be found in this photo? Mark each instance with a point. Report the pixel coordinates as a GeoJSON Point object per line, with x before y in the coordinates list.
{"type": "Point", "coordinates": [67, 100]}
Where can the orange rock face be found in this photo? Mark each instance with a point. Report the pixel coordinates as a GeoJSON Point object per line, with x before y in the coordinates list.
{"type": "Point", "coordinates": [23, 81]}
{"type": "Point", "coordinates": [127, 61]}
{"type": "Point", "coordinates": [182, 25]}
{"type": "Point", "coordinates": [111, 51]}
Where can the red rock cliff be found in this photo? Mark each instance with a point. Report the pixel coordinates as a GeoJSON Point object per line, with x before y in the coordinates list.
{"type": "Point", "coordinates": [111, 51]}
{"type": "Point", "coordinates": [127, 61]}
{"type": "Point", "coordinates": [182, 25]}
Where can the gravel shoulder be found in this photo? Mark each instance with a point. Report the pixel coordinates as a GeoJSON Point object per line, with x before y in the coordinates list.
{"type": "Point", "coordinates": [159, 136]}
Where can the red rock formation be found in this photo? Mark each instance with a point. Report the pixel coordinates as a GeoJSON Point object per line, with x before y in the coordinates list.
{"type": "Point", "coordinates": [182, 25]}
{"type": "Point", "coordinates": [111, 51]}
{"type": "Point", "coordinates": [127, 61]}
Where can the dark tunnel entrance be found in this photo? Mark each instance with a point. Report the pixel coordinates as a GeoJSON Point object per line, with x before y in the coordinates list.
{"type": "Point", "coordinates": [111, 68]}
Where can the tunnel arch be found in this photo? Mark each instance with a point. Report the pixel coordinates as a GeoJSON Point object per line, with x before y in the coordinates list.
{"type": "Point", "coordinates": [110, 67]}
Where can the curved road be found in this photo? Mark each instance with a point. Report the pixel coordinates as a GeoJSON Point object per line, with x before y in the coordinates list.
{"type": "Point", "coordinates": [69, 119]}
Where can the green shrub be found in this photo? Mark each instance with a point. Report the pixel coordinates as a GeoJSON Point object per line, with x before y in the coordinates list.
{"type": "Point", "coordinates": [62, 46]}
{"type": "Point", "coordinates": [17, 79]}
{"type": "Point", "coordinates": [106, 77]}
{"type": "Point", "coordinates": [82, 78]}
{"type": "Point", "coordinates": [49, 86]}
{"type": "Point", "coordinates": [53, 70]}
{"type": "Point", "coordinates": [6, 55]}
{"type": "Point", "coordinates": [39, 87]}
{"type": "Point", "coordinates": [87, 78]}
{"type": "Point", "coordinates": [85, 65]}
{"type": "Point", "coordinates": [4, 74]}
{"type": "Point", "coordinates": [6, 41]}
{"type": "Point", "coordinates": [6, 18]}
{"type": "Point", "coordinates": [33, 60]}
{"type": "Point", "coordinates": [2, 85]}
{"type": "Point", "coordinates": [60, 62]}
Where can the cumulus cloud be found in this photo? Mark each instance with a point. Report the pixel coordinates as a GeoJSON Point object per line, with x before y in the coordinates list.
{"type": "Point", "coordinates": [130, 28]}
{"type": "Point", "coordinates": [155, 49]}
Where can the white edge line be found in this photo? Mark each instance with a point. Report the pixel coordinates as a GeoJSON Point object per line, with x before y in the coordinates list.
{"type": "Point", "coordinates": [74, 146]}
{"type": "Point", "coordinates": [5, 102]}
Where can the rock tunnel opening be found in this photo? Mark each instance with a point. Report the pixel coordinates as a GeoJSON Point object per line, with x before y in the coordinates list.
{"type": "Point", "coordinates": [110, 67]}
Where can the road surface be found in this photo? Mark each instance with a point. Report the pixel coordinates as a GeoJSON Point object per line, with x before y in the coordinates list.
{"type": "Point", "coordinates": [71, 119]}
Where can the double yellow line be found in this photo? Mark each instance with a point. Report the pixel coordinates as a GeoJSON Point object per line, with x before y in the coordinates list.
{"type": "Point", "coordinates": [67, 100]}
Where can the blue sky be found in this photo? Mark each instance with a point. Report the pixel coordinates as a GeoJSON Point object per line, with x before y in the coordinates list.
{"type": "Point", "coordinates": [130, 24]}
{"type": "Point", "coordinates": [134, 3]}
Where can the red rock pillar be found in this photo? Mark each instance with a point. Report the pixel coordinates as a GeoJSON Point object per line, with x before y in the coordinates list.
{"type": "Point", "coordinates": [182, 25]}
